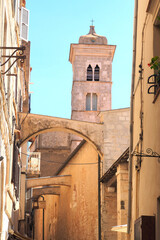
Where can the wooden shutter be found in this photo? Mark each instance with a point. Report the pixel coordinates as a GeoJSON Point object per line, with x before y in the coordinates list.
{"type": "Point", "coordinates": [88, 102]}
{"type": "Point", "coordinates": [94, 102]}
{"type": "Point", "coordinates": [15, 169]}
{"type": "Point", "coordinates": [24, 24]}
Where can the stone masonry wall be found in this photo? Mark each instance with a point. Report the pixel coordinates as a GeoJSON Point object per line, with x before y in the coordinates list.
{"type": "Point", "coordinates": [81, 63]}
{"type": "Point", "coordinates": [116, 135]}
{"type": "Point", "coordinates": [81, 86]}
{"type": "Point", "coordinates": [122, 197]}
{"type": "Point", "coordinates": [109, 213]}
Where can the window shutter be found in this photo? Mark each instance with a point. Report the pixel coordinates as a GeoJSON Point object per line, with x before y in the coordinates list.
{"type": "Point", "coordinates": [94, 102]}
{"type": "Point", "coordinates": [24, 24]}
{"type": "Point", "coordinates": [17, 11]}
{"type": "Point", "coordinates": [88, 102]}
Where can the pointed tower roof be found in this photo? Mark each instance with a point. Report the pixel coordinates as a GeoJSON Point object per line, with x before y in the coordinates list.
{"type": "Point", "coordinates": [93, 38]}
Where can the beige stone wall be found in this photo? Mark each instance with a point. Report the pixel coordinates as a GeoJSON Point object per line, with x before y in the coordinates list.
{"type": "Point", "coordinates": [109, 213]}
{"type": "Point", "coordinates": [122, 197]}
{"type": "Point", "coordinates": [116, 135]}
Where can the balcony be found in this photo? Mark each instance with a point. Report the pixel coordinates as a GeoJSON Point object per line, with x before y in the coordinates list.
{"type": "Point", "coordinates": [33, 164]}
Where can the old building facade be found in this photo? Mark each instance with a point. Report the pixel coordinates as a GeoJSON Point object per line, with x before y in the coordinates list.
{"type": "Point", "coordinates": [144, 190]}
{"type": "Point", "coordinates": [14, 97]}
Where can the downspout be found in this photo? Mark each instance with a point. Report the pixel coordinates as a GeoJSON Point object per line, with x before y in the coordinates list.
{"type": "Point", "coordinates": [43, 218]}
{"type": "Point", "coordinates": [131, 115]}
{"type": "Point", "coordinates": [99, 198]}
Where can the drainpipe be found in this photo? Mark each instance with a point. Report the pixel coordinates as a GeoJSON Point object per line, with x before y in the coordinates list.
{"type": "Point", "coordinates": [131, 114]}
{"type": "Point", "coordinates": [43, 218]}
{"type": "Point", "coordinates": [99, 198]}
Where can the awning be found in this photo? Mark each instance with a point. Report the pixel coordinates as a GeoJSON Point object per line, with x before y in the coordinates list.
{"type": "Point", "coordinates": [120, 228]}
{"type": "Point", "coordinates": [16, 235]}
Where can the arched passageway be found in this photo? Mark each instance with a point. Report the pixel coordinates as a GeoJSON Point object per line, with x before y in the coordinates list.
{"type": "Point", "coordinates": [32, 125]}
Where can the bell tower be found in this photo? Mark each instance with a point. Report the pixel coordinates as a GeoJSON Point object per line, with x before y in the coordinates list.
{"type": "Point", "coordinates": [91, 61]}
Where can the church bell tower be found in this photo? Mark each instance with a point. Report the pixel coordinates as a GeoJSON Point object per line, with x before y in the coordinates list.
{"type": "Point", "coordinates": [91, 61]}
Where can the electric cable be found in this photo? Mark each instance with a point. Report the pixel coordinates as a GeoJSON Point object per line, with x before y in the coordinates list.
{"type": "Point", "coordinates": [49, 161]}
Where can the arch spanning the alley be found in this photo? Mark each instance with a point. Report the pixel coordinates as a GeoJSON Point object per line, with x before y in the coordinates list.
{"type": "Point", "coordinates": [32, 125]}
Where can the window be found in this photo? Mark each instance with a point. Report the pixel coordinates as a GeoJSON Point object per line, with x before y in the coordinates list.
{"type": "Point", "coordinates": [91, 102]}
{"type": "Point", "coordinates": [96, 73]}
{"type": "Point", "coordinates": [89, 73]}
{"type": "Point", "coordinates": [24, 24]}
{"type": "Point", "coordinates": [122, 204]}
{"type": "Point", "coordinates": [93, 75]}
{"type": "Point", "coordinates": [88, 101]}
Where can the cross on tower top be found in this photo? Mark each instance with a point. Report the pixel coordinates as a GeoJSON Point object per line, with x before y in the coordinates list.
{"type": "Point", "coordinates": [92, 21]}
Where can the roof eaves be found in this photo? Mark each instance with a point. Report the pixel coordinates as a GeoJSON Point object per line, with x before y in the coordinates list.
{"type": "Point", "coordinates": [112, 170]}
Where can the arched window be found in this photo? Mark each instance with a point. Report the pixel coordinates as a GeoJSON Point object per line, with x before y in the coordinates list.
{"type": "Point", "coordinates": [91, 102]}
{"type": "Point", "coordinates": [96, 73]}
{"type": "Point", "coordinates": [89, 73]}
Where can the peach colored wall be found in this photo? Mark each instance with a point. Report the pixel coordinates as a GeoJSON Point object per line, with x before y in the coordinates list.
{"type": "Point", "coordinates": [50, 219]}
{"type": "Point", "coordinates": [78, 204]}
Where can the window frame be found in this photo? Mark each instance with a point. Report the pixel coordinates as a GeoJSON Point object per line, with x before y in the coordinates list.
{"type": "Point", "coordinates": [91, 103]}
{"type": "Point", "coordinates": [91, 74]}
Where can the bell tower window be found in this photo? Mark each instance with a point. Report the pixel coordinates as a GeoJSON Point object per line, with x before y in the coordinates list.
{"type": "Point", "coordinates": [89, 73]}
{"type": "Point", "coordinates": [88, 101]}
{"type": "Point", "coordinates": [96, 73]}
{"type": "Point", "coordinates": [94, 102]}
{"type": "Point", "coordinates": [91, 102]}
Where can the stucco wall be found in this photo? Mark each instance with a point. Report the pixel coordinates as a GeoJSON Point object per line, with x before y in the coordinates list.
{"type": "Point", "coordinates": [145, 181]}
{"type": "Point", "coordinates": [78, 204]}
{"type": "Point", "coordinates": [50, 219]}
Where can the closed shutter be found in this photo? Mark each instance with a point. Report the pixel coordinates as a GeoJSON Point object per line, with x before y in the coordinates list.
{"type": "Point", "coordinates": [94, 102]}
{"type": "Point", "coordinates": [15, 169]}
{"type": "Point", "coordinates": [88, 102]}
{"type": "Point", "coordinates": [24, 24]}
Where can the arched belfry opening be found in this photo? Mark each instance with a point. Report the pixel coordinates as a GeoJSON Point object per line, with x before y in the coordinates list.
{"type": "Point", "coordinates": [96, 73]}
{"type": "Point", "coordinates": [89, 73]}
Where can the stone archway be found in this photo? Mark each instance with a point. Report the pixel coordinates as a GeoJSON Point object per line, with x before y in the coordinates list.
{"type": "Point", "coordinates": [32, 125]}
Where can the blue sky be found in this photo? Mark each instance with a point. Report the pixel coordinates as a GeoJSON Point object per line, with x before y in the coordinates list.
{"type": "Point", "coordinates": [53, 26]}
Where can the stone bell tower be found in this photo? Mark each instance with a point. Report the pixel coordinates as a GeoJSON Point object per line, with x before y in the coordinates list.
{"type": "Point", "coordinates": [91, 61]}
